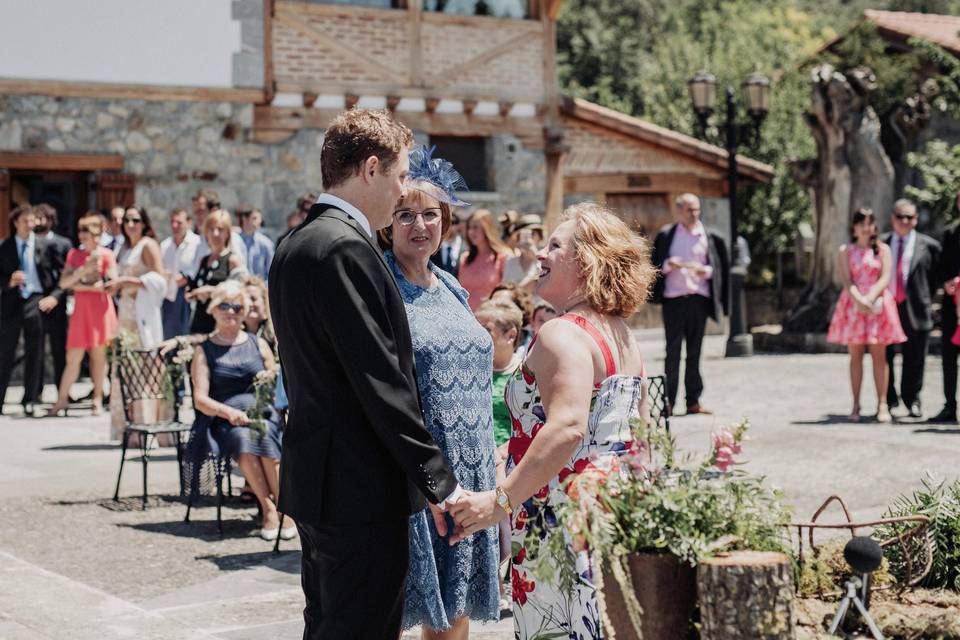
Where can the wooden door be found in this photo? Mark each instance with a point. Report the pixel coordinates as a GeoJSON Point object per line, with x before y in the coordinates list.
{"type": "Point", "coordinates": [4, 203]}
{"type": "Point", "coordinates": [643, 212]}
{"type": "Point", "coordinates": [115, 190]}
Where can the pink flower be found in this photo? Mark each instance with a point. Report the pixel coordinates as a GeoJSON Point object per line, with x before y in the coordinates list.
{"type": "Point", "coordinates": [725, 445]}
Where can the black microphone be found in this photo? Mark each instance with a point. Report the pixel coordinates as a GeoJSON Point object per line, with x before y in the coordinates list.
{"type": "Point", "coordinates": [863, 554]}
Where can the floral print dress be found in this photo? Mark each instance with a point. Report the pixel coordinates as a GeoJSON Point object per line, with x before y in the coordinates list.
{"type": "Point", "coordinates": [851, 326]}
{"type": "Point", "coordinates": [541, 610]}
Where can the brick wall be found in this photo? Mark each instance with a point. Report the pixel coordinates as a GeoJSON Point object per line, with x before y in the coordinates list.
{"type": "Point", "coordinates": [304, 62]}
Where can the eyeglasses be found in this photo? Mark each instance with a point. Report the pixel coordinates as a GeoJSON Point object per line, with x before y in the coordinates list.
{"type": "Point", "coordinates": [406, 217]}
{"type": "Point", "coordinates": [84, 230]}
{"type": "Point", "coordinates": [226, 306]}
{"type": "Point", "coordinates": [132, 220]}
{"type": "Point", "coordinates": [903, 217]}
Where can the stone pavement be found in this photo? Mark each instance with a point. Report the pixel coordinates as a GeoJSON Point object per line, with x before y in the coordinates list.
{"type": "Point", "coordinates": [75, 564]}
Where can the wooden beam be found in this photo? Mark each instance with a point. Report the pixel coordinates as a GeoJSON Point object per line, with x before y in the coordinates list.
{"type": "Point", "coordinates": [483, 24]}
{"type": "Point", "coordinates": [269, 85]}
{"type": "Point", "coordinates": [292, 21]}
{"type": "Point", "coordinates": [645, 183]}
{"type": "Point", "coordinates": [454, 73]}
{"type": "Point", "coordinates": [14, 86]}
{"type": "Point", "coordinates": [330, 10]}
{"type": "Point", "coordinates": [400, 89]}
{"type": "Point", "coordinates": [60, 161]}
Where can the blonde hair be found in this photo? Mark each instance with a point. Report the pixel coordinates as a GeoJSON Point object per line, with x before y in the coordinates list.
{"type": "Point", "coordinates": [226, 290]}
{"type": "Point", "coordinates": [221, 218]}
{"type": "Point", "coordinates": [614, 260]}
{"type": "Point", "coordinates": [503, 315]}
{"type": "Point", "coordinates": [93, 222]}
{"type": "Point", "coordinates": [489, 226]}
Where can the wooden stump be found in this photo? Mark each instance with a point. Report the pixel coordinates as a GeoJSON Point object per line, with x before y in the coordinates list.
{"type": "Point", "coordinates": [665, 590]}
{"type": "Point", "coordinates": [746, 594]}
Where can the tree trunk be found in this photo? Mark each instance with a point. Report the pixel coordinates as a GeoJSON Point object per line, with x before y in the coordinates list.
{"type": "Point", "coordinates": [748, 595]}
{"type": "Point", "coordinates": [851, 171]}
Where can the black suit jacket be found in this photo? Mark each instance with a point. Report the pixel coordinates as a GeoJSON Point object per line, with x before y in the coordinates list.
{"type": "Point", "coordinates": [47, 257]}
{"type": "Point", "coordinates": [922, 280]}
{"type": "Point", "coordinates": [449, 264]}
{"type": "Point", "coordinates": [718, 259]}
{"type": "Point", "coordinates": [355, 449]}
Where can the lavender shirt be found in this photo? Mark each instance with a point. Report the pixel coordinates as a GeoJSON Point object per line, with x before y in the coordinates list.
{"type": "Point", "coordinates": [688, 246]}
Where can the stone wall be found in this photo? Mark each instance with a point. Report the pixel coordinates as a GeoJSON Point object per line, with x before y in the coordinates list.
{"type": "Point", "coordinates": [175, 148]}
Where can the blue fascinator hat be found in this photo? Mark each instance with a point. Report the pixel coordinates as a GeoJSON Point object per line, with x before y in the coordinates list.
{"type": "Point", "coordinates": [435, 177]}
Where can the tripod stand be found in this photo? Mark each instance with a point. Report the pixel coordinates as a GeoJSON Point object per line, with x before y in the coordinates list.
{"type": "Point", "coordinates": [852, 585]}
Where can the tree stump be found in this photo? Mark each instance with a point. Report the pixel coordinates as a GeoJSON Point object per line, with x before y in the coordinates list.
{"type": "Point", "coordinates": [746, 594]}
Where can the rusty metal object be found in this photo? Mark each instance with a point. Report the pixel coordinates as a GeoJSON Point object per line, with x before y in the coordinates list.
{"type": "Point", "coordinates": [919, 532]}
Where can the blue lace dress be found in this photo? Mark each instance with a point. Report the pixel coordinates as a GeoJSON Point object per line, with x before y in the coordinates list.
{"type": "Point", "coordinates": [454, 360]}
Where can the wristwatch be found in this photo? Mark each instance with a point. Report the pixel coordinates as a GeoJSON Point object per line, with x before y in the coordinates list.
{"type": "Point", "coordinates": [503, 501]}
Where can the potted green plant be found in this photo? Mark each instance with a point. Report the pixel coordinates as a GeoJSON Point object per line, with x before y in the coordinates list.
{"type": "Point", "coordinates": [651, 517]}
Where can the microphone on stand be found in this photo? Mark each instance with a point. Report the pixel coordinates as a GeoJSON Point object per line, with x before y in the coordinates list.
{"type": "Point", "coordinates": [864, 555]}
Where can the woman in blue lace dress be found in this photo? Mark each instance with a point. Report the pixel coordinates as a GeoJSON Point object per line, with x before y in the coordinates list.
{"type": "Point", "coordinates": [447, 586]}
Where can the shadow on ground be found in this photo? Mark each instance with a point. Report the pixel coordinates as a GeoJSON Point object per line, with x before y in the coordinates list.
{"type": "Point", "coordinates": [833, 418]}
{"type": "Point", "coordinates": [287, 561]}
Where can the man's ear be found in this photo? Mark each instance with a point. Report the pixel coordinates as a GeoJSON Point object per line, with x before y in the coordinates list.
{"type": "Point", "coordinates": [370, 167]}
{"type": "Point", "coordinates": [513, 334]}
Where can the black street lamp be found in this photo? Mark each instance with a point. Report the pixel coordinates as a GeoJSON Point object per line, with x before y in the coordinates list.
{"type": "Point", "coordinates": [703, 95]}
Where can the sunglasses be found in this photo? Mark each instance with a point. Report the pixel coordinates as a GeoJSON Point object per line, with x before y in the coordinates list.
{"type": "Point", "coordinates": [226, 306]}
{"type": "Point", "coordinates": [902, 217]}
{"type": "Point", "coordinates": [132, 220]}
{"type": "Point", "coordinates": [406, 217]}
{"type": "Point", "coordinates": [85, 230]}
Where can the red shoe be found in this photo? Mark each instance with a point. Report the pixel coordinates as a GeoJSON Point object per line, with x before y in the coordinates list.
{"type": "Point", "coordinates": [698, 408]}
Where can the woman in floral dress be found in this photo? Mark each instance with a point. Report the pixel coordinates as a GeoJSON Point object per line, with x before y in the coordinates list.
{"type": "Point", "coordinates": [571, 404]}
{"type": "Point", "coordinates": [866, 317]}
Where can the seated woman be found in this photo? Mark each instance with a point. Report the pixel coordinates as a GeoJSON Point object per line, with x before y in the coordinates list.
{"type": "Point", "coordinates": [225, 367]}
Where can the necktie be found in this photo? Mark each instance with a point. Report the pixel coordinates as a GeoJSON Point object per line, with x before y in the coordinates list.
{"type": "Point", "coordinates": [23, 267]}
{"type": "Point", "coordinates": [901, 292]}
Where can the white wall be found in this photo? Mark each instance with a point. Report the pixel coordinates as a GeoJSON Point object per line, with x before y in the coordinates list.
{"type": "Point", "coordinates": [157, 42]}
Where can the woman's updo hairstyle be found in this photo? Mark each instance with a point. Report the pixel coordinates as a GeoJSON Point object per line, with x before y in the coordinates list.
{"type": "Point", "coordinates": [614, 260]}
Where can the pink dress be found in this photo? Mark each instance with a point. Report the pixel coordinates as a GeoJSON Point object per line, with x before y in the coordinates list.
{"type": "Point", "coordinates": [850, 326]}
{"type": "Point", "coordinates": [94, 320]}
{"type": "Point", "coordinates": [481, 276]}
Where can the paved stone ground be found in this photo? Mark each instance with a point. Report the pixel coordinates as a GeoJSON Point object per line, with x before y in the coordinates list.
{"type": "Point", "coordinates": [75, 564]}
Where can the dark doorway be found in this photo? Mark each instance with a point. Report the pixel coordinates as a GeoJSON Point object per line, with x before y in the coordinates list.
{"type": "Point", "coordinates": [66, 191]}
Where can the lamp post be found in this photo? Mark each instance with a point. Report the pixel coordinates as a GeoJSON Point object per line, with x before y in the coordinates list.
{"type": "Point", "coordinates": [703, 95]}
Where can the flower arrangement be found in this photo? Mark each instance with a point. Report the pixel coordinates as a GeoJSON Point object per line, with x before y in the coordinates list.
{"type": "Point", "coordinates": [264, 386]}
{"type": "Point", "coordinates": [654, 499]}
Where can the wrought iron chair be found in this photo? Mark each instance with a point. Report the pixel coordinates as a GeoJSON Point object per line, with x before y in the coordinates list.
{"type": "Point", "coordinates": [659, 405]}
{"type": "Point", "coordinates": [143, 378]}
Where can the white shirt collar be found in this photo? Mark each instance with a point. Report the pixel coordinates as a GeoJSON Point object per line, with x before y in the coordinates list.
{"type": "Point", "coordinates": [349, 209]}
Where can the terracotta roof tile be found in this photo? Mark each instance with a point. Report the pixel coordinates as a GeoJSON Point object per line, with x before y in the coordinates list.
{"type": "Point", "coordinates": [941, 29]}
{"type": "Point", "coordinates": [649, 132]}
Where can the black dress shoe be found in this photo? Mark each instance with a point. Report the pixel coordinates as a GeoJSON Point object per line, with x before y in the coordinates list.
{"type": "Point", "coordinates": [946, 416]}
{"type": "Point", "coordinates": [915, 410]}
{"type": "Point", "coordinates": [893, 402]}
{"type": "Point", "coordinates": [28, 409]}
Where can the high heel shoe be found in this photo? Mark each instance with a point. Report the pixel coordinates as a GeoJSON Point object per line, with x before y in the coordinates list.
{"type": "Point", "coordinates": [883, 414]}
{"type": "Point", "coordinates": [96, 410]}
{"type": "Point", "coordinates": [56, 411]}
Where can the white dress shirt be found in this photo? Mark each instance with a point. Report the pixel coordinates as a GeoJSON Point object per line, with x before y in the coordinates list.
{"type": "Point", "coordinates": [347, 208]}
{"type": "Point", "coordinates": [182, 258]}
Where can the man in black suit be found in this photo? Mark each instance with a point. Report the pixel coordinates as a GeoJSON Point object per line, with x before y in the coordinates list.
{"type": "Point", "coordinates": [949, 271]}
{"type": "Point", "coordinates": [53, 261]}
{"type": "Point", "coordinates": [448, 256]}
{"type": "Point", "coordinates": [25, 284]}
{"type": "Point", "coordinates": [691, 286]}
{"type": "Point", "coordinates": [357, 460]}
{"type": "Point", "coordinates": [914, 279]}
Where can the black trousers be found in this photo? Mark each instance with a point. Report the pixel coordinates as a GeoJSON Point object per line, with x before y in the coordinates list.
{"type": "Point", "coordinates": [685, 320]}
{"type": "Point", "coordinates": [914, 352]}
{"type": "Point", "coordinates": [27, 320]}
{"type": "Point", "coordinates": [353, 579]}
{"type": "Point", "coordinates": [55, 329]}
{"type": "Point", "coordinates": [948, 353]}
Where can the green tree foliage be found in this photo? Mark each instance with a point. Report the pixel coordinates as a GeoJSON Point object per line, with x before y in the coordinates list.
{"type": "Point", "coordinates": [940, 168]}
{"type": "Point", "coordinates": [637, 55]}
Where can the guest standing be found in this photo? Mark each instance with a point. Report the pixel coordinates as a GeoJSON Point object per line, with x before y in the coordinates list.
{"type": "Point", "coordinates": [259, 247]}
{"type": "Point", "coordinates": [224, 369]}
{"type": "Point", "coordinates": [448, 257]}
{"type": "Point", "coordinates": [571, 403]}
{"type": "Point", "coordinates": [446, 586]}
{"type": "Point", "coordinates": [950, 271]}
{"type": "Point", "coordinates": [94, 321]}
{"type": "Point", "coordinates": [357, 459]}
{"type": "Point", "coordinates": [219, 264]}
{"type": "Point", "coordinates": [691, 288]}
{"type": "Point", "coordinates": [54, 304]}
{"type": "Point", "coordinates": [112, 237]}
{"type": "Point", "coordinates": [865, 318]}
{"type": "Point", "coordinates": [180, 255]}
{"type": "Point", "coordinates": [523, 268]}
{"type": "Point", "coordinates": [21, 255]}
{"type": "Point", "coordinates": [481, 267]}
{"type": "Point", "coordinates": [204, 203]}
{"type": "Point", "coordinates": [914, 279]}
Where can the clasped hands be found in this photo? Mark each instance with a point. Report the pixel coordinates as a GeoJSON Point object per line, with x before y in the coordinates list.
{"type": "Point", "coordinates": [471, 512]}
